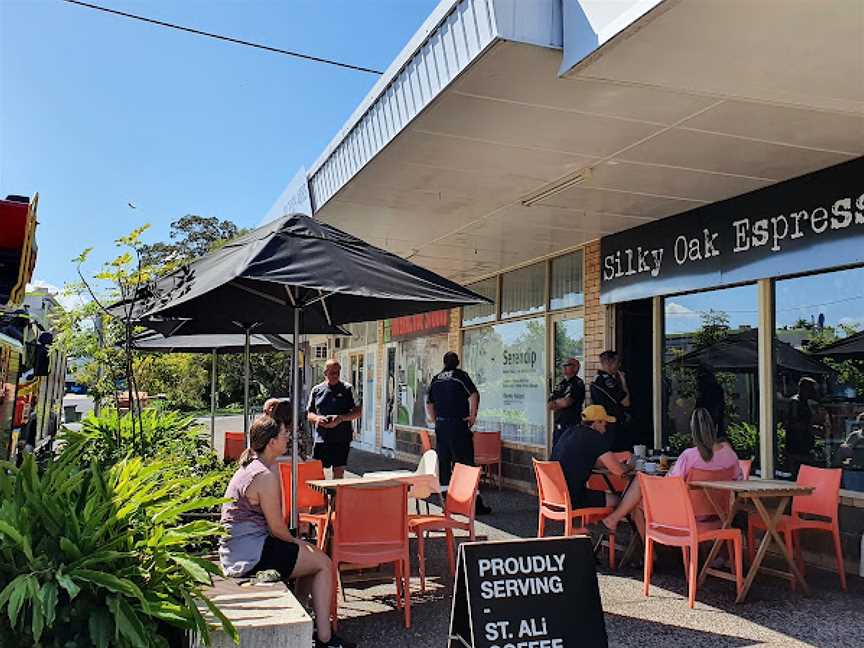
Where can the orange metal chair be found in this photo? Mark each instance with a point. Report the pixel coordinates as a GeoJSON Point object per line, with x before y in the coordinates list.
{"type": "Point", "coordinates": [823, 502]}
{"type": "Point", "coordinates": [461, 500]}
{"type": "Point", "coordinates": [746, 466]}
{"type": "Point", "coordinates": [371, 528]}
{"type": "Point", "coordinates": [235, 444]}
{"type": "Point", "coordinates": [487, 452]}
{"type": "Point", "coordinates": [598, 483]}
{"type": "Point", "coordinates": [555, 504]}
{"type": "Point", "coordinates": [669, 520]}
{"type": "Point", "coordinates": [308, 498]}
{"type": "Point", "coordinates": [425, 441]}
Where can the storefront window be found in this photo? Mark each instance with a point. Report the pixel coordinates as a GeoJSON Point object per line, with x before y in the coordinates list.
{"type": "Point", "coordinates": [569, 343]}
{"type": "Point", "coordinates": [711, 361]}
{"type": "Point", "coordinates": [508, 364]}
{"type": "Point", "coordinates": [419, 359]}
{"type": "Point", "coordinates": [819, 374]}
{"type": "Point", "coordinates": [566, 289]}
{"type": "Point", "coordinates": [482, 313]}
{"type": "Point", "coordinates": [523, 291]}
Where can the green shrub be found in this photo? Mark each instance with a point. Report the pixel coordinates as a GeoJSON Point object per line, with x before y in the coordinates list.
{"type": "Point", "coordinates": [92, 557]}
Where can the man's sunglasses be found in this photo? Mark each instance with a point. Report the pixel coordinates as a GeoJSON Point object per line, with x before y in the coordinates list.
{"type": "Point", "coordinates": [568, 364]}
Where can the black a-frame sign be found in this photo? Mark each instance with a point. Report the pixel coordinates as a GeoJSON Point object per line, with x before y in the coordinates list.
{"type": "Point", "coordinates": [538, 591]}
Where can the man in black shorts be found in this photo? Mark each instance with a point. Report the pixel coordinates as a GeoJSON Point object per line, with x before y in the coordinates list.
{"type": "Point", "coordinates": [582, 447]}
{"type": "Point", "coordinates": [331, 409]}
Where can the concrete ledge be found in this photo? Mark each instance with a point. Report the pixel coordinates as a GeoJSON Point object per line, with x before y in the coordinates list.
{"type": "Point", "coordinates": [265, 615]}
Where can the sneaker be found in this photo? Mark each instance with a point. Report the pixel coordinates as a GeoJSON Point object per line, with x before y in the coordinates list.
{"type": "Point", "coordinates": [268, 576]}
{"type": "Point", "coordinates": [483, 509]}
{"type": "Point", "coordinates": [335, 642]}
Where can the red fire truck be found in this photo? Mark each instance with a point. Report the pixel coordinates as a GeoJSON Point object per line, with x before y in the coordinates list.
{"type": "Point", "coordinates": [29, 389]}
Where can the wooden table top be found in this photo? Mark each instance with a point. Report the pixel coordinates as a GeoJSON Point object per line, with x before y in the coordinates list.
{"type": "Point", "coordinates": [757, 487]}
{"type": "Point", "coordinates": [359, 482]}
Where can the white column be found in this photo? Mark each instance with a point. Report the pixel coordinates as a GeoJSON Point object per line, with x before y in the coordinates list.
{"type": "Point", "coordinates": [766, 377]}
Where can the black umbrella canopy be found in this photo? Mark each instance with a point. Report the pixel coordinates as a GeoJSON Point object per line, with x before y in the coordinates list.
{"type": "Point", "coordinates": [850, 346]}
{"type": "Point", "coordinates": [225, 343]}
{"type": "Point", "coordinates": [739, 352]}
{"type": "Point", "coordinates": [295, 261]}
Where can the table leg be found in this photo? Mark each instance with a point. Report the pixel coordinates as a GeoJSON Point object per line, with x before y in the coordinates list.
{"type": "Point", "coordinates": [771, 528]}
{"type": "Point", "coordinates": [726, 523]}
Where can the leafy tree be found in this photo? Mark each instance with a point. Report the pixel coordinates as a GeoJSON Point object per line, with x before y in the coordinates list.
{"type": "Point", "coordinates": [192, 236]}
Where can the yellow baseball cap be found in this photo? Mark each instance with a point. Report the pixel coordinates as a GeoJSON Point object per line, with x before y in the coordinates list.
{"type": "Point", "coordinates": [597, 413]}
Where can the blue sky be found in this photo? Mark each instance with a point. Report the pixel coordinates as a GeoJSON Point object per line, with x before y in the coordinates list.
{"type": "Point", "coordinates": [97, 110]}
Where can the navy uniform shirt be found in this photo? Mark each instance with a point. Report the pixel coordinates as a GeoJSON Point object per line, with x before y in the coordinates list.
{"type": "Point", "coordinates": [573, 388]}
{"type": "Point", "coordinates": [607, 390]}
{"type": "Point", "coordinates": [449, 392]}
{"type": "Point", "coordinates": [577, 451]}
{"type": "Point", "coordinates": [325, 399]}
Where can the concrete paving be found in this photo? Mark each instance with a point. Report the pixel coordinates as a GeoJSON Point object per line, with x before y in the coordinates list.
{"type": "Point", "coordinates": [772, 615]}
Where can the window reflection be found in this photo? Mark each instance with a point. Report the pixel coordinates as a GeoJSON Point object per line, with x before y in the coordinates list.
{"type": "Point", "coordinates": [819, 374]}
{"type": "Point", "coordinates": [711, 360]}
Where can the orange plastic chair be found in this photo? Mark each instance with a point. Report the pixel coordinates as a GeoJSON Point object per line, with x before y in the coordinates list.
{"type": "Point", "coordinates": [598, 483]}
{"type": "Point", "coordinates": [235, 444]}
{"type": "Point", "coordinates": [487, 452]}
{"type": "Point", "coordinates": [461, 500]}
{"type": "Point", "coordinates": [307, 498]}
{"type": "Point", "coordinates": [555, 504]}
{"type": "Point", "coordinates": [425, 441]}
{"type": "Point", "coordinates": [823, 502]}
{"type": "Point", "coordinates": [746, 466]}
{"type": "Point", "coordinates": [371, 528]}
{"type": "Point", "coordinates": [669, 520]}
{"type": "Point", "coordinates": [702, 499]}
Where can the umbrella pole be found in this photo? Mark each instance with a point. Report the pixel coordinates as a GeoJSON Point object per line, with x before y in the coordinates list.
{"type": "Point", "coordinates": [213, 401]}
{"type": "Point", "coordinates": [246, 362]}
{"type": "Point", "coordinates": [295, 415]}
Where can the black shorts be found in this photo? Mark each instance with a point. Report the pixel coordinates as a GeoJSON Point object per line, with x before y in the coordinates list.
{"type": "Point", "coordinates": [332, 454]}
{"type": "Point", "coordinates": [590, 499]}
{"type": "Point", "coordinates": [279, 555]}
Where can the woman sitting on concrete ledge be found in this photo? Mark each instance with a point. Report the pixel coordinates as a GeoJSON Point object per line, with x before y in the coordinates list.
{"type": "Point", "coordinates": [258, 539]}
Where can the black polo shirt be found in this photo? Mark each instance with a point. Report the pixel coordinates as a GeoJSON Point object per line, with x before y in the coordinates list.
{"type": "Point", "coordinates": [577, 451]}
{"type": "Point", "coordinates": [573, 388]}
{"type": "Point", "coordinates": [449, 392]}
{"type": "Point", "coordinates": [607, 390]}
{"type": "Point", "coordinates": [325, 399]}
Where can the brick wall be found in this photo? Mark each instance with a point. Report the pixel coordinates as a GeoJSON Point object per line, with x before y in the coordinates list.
{"type": "Point", "coordinates": [595, 313]}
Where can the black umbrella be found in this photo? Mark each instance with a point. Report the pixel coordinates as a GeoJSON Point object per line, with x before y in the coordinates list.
{"type": "Point", "coordinates": [739, 352]}
{"type": "Point", "coordinates": [213, 344]}
{"type": "Point", "coordinates": [851, 346]}
{"type": "Point", "coordinates": [294, 265]}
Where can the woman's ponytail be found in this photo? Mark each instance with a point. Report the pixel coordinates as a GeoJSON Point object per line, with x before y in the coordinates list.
{"type": "Point", "coordinates": [246, 457]}
{"type": "Point", "coordinates": [263, 429]}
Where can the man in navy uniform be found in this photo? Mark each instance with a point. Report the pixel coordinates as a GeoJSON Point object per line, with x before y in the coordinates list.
{"type": "Point", "coordinates": [609, 389]}
{"type": "Point", "coordinates": [567, 399]}
{"type": "Point", "coordinates": [331, 409]}
{"type": "Point", "coordinates": [452, 403]}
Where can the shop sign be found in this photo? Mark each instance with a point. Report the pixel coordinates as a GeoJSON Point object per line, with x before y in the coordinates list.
{"type": "Point", "coordinates": [537, 593]}
{"type": "Point", "coordinates": [419, 325]}
{"type": "Point", "coordinates": [805, 224]}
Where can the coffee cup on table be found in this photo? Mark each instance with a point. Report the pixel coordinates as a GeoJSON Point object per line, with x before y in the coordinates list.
{"type": "Point", "coordinates": [650, 467]}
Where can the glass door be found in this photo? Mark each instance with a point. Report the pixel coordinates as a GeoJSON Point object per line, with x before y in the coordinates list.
{"type": "Point", "coordinates": [358, 382]}
{"type": "Point", "coordinates": [567, 334]}
{"type": "Point", "coordinates": [389, 410]}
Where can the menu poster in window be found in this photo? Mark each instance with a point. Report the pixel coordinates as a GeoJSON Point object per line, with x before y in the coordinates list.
{"type": "Point", "coordinates": [537, 593]}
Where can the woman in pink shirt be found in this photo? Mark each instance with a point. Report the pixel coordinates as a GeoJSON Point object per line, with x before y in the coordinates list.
{"type": "Point", "coordinates": [708, 453]}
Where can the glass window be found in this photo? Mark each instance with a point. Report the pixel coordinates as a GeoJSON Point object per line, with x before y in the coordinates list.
{"type": "Point", "coordinates": [482, 313]}
{"type": "Point", "coordinates": [819, 374]}
{"type": "Point", "coordinates": [508, 364]}
{"type": "Point", "coordinates": [419, 360]}
{"type": "Point", "coordinates": [566, 290]}
{"type": "Point", "coordinates": [711, 361]}
{"type": "Point", "coordinates": [569, 343]}
{"type": "Point", "coordinates": [523, 291]}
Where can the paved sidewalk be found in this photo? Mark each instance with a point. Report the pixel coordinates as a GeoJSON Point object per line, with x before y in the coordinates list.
{"type": "Point", "coordinates": [772, 616]}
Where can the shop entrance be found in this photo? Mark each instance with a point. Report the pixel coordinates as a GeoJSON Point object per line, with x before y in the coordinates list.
{"type": "Point", "coordinates": [390, 409]}
{"type": "Point", "coordinates": [357, 373]}
{"type": "Point", "coordinates": [634, 339]}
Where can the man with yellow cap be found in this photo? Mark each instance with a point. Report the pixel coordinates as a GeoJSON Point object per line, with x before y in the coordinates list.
{"type": "Point", "coordinates": [582, 447]}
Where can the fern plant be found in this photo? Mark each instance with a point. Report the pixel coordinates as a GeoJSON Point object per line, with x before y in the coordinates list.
{"type": "Point", "coordinates": [93, 557]}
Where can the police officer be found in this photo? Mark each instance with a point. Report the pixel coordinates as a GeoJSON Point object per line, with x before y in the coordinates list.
{"type": "Point", "coordinates": [452, 404]}
{"type": "Point", "coordinates": [609, 389]}
{"type": "Point", "coordinates": [331, 409]}
{"type": "Point", "coordinates": [567, 399]}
